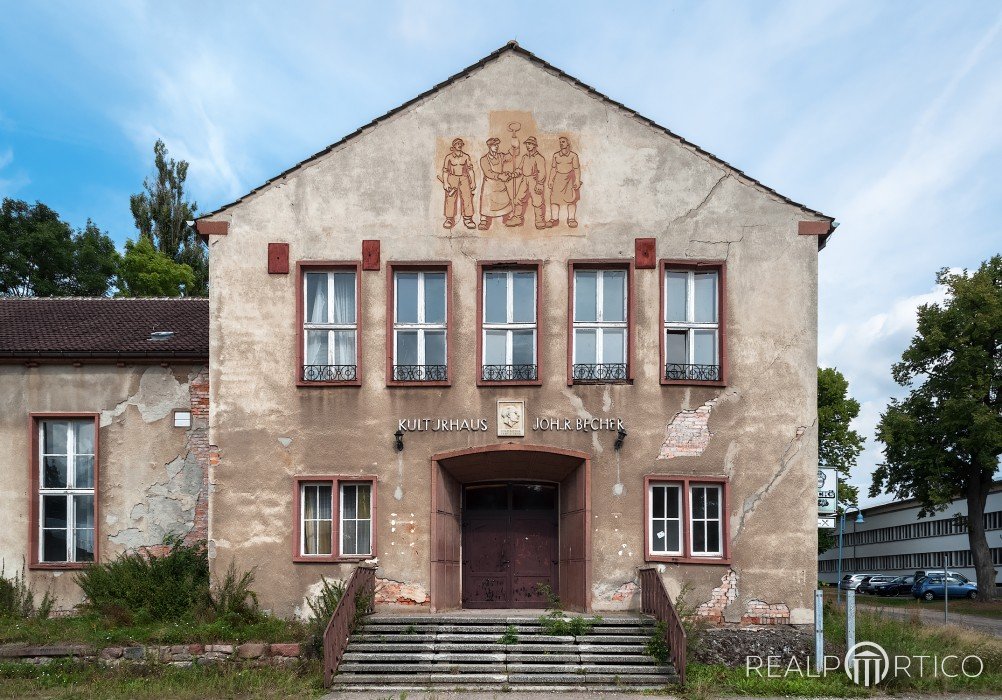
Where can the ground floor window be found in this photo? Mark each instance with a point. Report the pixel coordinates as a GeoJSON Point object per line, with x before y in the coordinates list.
{"type": "Point", "coordinates": [64, 477]}
{"type": "Point", "coordinates": [334, 518]}
{"type": "Point", "coordinates": [686, 518]}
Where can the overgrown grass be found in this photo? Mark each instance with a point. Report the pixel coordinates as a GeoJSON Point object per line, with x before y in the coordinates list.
{"type": "Point", "coordinates": [99, 631]}
{"type": "Point", "coordinates": [83, 681]}
{"type": "Point", "coordinates": [17, 600]}
{"type": "Point", "coordinates": [897, 637]}
{"type": "Point", "coordinates": [966, 607]}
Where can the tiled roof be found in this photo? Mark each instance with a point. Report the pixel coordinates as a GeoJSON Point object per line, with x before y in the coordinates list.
{"type": "Point", "coordinates": [103, 328]}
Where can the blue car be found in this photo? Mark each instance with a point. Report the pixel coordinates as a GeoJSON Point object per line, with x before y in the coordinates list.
{"type": "Point", "coordinates": [931, 586]}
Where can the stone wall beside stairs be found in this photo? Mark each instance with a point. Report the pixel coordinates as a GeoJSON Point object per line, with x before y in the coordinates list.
{"type": "Point", "coordinates": [180, 655]}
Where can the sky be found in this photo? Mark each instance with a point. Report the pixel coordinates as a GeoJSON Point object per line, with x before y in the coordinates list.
{"type": "Point", "coordinates": [885, 115]}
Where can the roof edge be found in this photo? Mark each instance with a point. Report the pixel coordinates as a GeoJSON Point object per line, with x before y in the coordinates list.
{"type": "Point", "coordinates": [513, 46]}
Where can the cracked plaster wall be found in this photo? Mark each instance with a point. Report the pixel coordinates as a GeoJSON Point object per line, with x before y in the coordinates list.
{"type": "Point", "coordinates": [150, 479]}
{"type": "Point", "coordinates": [638, 181]}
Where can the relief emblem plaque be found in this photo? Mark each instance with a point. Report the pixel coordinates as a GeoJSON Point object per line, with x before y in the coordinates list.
{"type": "Point", "coordinates": [511, 418]}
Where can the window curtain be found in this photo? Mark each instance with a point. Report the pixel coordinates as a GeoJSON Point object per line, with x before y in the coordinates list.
{"type": "Point", "coordinates": [344, 299]}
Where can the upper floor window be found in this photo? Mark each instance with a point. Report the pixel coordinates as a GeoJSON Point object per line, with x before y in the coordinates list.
{"type": "Point", "coordinates": [66, 477]}
{"type": "Point", "coordinates": [691, 304]}
{"type": "Point", "coordinates": [420, 338]}
{"type": "Point", "coordinates": [600, 333]}
{"type": "Point", "coordinates": [330, 326]}
{"type": "Point", "coordinates": [509, 338]}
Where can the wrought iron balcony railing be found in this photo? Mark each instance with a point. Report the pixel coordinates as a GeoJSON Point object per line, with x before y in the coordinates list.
{"type": "Point", "coordinates": [330, 373]}
{"type": "Point", "coordinates": [420, 373]}
{"type": "Point", "coordinates": [600, 373]}
{"type": "Point", "coordinates": [509, 373]}
{"type": "Point", "coordinates": [698, 373]}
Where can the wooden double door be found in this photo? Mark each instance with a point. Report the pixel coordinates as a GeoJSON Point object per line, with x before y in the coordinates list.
{"type": "Point", "coordinates": [510, 545]}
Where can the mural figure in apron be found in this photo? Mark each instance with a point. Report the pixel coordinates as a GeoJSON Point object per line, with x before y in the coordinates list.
{"type": "Point", "coordinates": [460, 183]}
{"type": "Point", "coordinates": [495, 197]}
{"type": "Point", "coordinates": [564, 183]}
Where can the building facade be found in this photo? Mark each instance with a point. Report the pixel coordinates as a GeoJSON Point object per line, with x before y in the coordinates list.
{"type": "Point", "coordinates": [104, 432]}
{"type": "Point", "coordinates": [513, 338]}
{"type": "Point", "coordinates": [893, 539]}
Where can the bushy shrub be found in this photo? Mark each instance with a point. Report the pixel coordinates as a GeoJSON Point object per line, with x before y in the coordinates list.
{"type": "Point", "coordinates": [18, 600]}
{"type": "Point", "coordinates": [233, 600]}
{"type": "Point", "coordinates": [140, 588]}
{"type": "Point", "coordinates": [321, 610]}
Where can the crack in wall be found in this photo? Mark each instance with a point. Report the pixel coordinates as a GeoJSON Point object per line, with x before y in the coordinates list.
{"type": "Point", "coordinates": [692, 212]}
{"type": "Point", "coordinates": [791, 451]}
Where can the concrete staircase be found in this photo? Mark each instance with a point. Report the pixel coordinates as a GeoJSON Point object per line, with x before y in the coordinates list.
{"type": "Point", "coordinates": [468, 651]}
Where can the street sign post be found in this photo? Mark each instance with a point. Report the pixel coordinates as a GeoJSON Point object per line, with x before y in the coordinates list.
{"type": "Point", "coordinates": [827, 491]}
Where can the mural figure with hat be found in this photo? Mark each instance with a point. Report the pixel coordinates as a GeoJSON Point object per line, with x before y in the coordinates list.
{"type": "Point", "coordinates": [460, 183]}
{"type": "Point", "coordinates": [495, 197]}
{"type": "Point", "coordinates": [565, 183]}
{"type": "Point", "coordinates": [530, 181]}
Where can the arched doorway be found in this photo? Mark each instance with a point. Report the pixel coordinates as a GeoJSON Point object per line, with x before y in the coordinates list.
{"type": "Point", "coordinates": [497, 476]}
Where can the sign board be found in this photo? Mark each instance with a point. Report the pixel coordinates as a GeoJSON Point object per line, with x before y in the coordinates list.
{"type": "Point", "coordinates": [826, 522]}
{"type": "Point", "coordinates": [827, 491]}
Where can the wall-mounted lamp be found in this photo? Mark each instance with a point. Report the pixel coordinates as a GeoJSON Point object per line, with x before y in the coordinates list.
{"type": "Point", "coordinates": [620, 436]}
{"type": "Point", "coordinates": [399, 435]}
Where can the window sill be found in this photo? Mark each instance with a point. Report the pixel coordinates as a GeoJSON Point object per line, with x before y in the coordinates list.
{"type": "Point", "coordinates": [512, 382]}
{"type": "Point", "coordinates": [409, 383]}
{"type": "Point", "coordinates": [600, 382]}
{"type": "Point", "coordinates": [662, 559]}
{"type": "Point", "coordinates": [691, 382]}
{"type": "Point", "coordinates": [304, 384]}
{"type": "Point", "coordinates": [331, 559]}
{"type": "Point", "coordinates": [58, 566]}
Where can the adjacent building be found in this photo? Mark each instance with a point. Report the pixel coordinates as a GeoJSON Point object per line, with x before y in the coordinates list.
{"type": "Point", "coordinates": [893, 539]}
{"type": "Point", "coordinates": [104, 432]}
{"type": "Point", "coordinates": [514, 337]}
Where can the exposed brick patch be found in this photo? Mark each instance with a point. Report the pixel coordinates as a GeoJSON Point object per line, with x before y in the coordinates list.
{"type": "Point", "coordinates": [198, 441]}
{"type": "Point", "coordinates": [759, 612]}
{"type": "Point", "coordinates": [393, 592]}
{"type": "Point", "coordinates": [688, 433]}
{"type": "Point", "coordinates": [722, 596]}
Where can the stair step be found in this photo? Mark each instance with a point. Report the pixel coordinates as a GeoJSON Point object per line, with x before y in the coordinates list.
{"type": "Point", "coordinates": [543, 658]}
{"type": "Point", "coordinates": [585, 679]}
{"type": "Point", "coordinates": [612, 648]}
{"type": "Point", "coordinates": [366, 668]}
{"type": "Point", "coordinates": [613, 638]}
{"type": "Point", "coordinates": [402, 656]}
{"type": "Point", "coordinates": [354, 646]}
{"type": "Point", "coordinates": [616, 659]}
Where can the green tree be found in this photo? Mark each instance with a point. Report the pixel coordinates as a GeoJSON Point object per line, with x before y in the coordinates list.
{"type": "Point", "coordinates": [40, 255]}
{"type": "Point", "coordinates": [839, 446]}
{"type": "Point", "coordinates": [95, 262]}
{"type": "Point", "coordinates": [944, 439]}
{"type": "Point", "coordinates": [146, 272]}
{"type": "Point", "coordinates": [162, 212]}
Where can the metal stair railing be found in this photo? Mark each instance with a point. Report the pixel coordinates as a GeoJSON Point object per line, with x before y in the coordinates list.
{"type": "Point", "coordinates": [655, 601]}
{"type": "Point", "coordinates": [359, 591]}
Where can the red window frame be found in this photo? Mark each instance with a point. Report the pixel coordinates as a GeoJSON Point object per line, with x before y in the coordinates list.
{"type": "Point", "coordinates": [33, 481]}
{"type": "Point", "coordinates": [420, 266]}
{"type": "Point", "coordinates": [335, 480]}
{"type": "Point", "coordinates": [601, 264]}
{"type": "Point", "coordinates": [721, 267]}
{"type": "Point", "coordinates": [486, 266]}
{"type": "Point", "coordinates": [686, 482]}
{"type": "Point", "coordinates": [302, 267]}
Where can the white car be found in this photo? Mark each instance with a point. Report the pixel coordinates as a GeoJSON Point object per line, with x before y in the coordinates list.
{"type": "Point", "coordinates": [850, 582]}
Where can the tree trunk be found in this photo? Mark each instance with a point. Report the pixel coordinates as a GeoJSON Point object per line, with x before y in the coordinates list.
{"type": "Point", "coordinates": [977, 497]}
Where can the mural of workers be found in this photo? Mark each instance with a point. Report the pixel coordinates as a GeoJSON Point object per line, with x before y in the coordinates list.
{"type": "Point", "coordinates": [460, 183]}
{"type": "Point", "coordinates": [495, 197]}
{"type": "Point", "coordinates": [530, 181]}
{"type": "Point", "coordinates": [564, 183]}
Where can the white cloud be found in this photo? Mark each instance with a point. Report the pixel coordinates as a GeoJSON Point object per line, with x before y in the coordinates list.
{"type": "Point", "coordinates": [10, 180]}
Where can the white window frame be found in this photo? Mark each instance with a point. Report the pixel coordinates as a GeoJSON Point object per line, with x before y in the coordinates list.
{"type": "Point", "coordinates": [693, 520]}
{"type": "Point", "coordinates": [421, 326]}
{"type": "Point", "coordinates": [510, 326]}
{"type": "Point", "coordinates": [356, 520]}
{"type": "Point", "coordinates": [69, 492]}
{"type": "Point", "coordinates": [303, 485]}
{"type": "Point", "coordinates": [600, 325]}
{"type": "Point", "coordinates": [689, 326]}
{"type": "Point", "coordinates": [651, 538]}
{"type": "Point", "coordinates": [329, 326]}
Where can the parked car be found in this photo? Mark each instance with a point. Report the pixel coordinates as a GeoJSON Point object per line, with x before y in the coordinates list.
{"type": "Point", "coordinates": [851, 581]}
{"type": "Point", "coordinates": [932, 586]}
{"type": "Point", "coordinates": [898, 586]}
{"type": "Point", "coordinates": [868, 584]}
